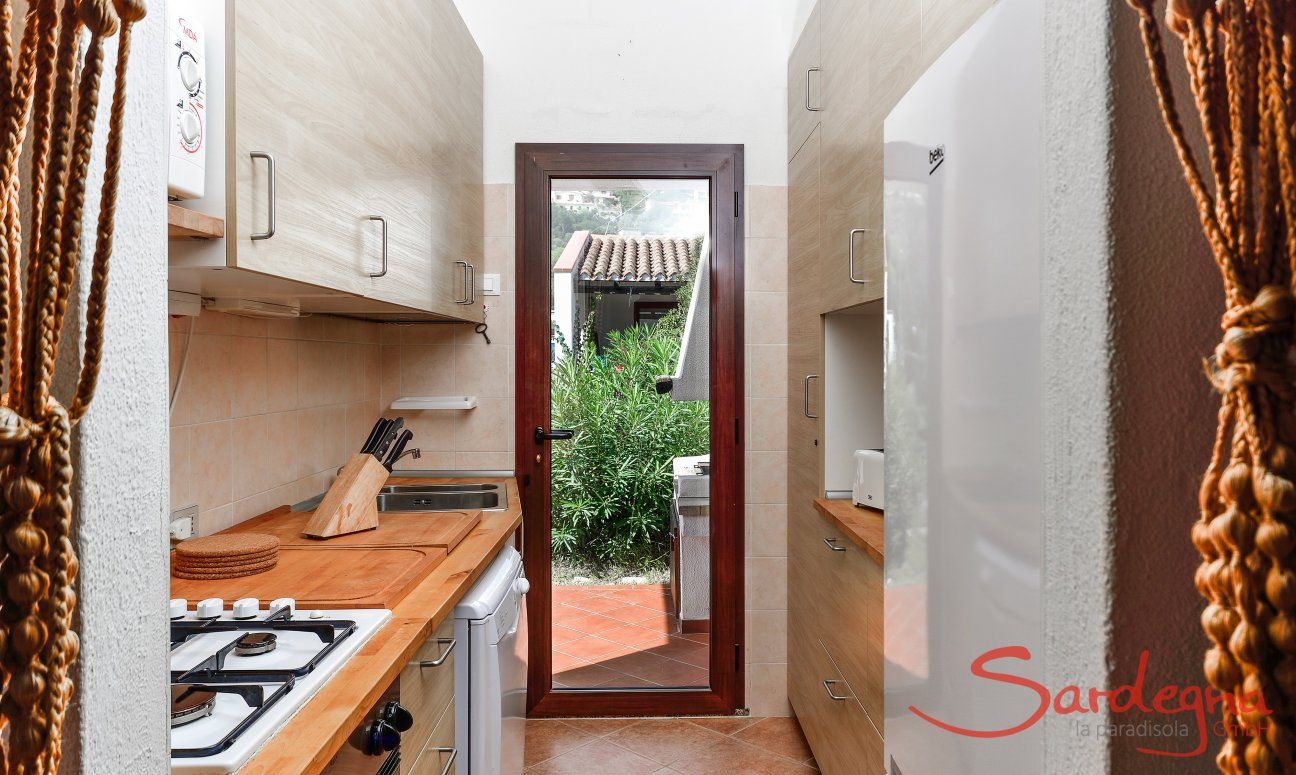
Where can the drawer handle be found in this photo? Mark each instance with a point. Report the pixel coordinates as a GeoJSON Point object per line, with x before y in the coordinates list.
{"type": "Point", "coordinates": [454, 752]}
{"type": "Point", "coordinates": [449, 644]}
{"type": "Point", "coordinates": [828, 685]}
{"type": "Point", "coordinates": [832, 544]}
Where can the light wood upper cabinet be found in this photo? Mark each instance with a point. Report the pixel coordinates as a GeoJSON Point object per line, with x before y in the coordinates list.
{"type": "Point", "coordinates": [805, 328]}
{"type": "Point", "coordinates": [371, 113]}
{"type": "Point", "coordinates": [805, 84]}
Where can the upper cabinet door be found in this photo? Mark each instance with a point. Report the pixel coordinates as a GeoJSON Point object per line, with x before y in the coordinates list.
{"type": "Point", "coordinates": [805, 83]}
{"type": "Point", "coordinates": [297, 161]}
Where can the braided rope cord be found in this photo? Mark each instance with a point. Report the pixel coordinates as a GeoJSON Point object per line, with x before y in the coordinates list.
{"type": "Point", "coordinates": [1241, 64]}
{"type": "Point", "coordinates": [39, 567]}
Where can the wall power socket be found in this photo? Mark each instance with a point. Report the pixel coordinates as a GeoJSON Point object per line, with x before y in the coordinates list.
{"type": "Point", "coordinates": [184, 522]}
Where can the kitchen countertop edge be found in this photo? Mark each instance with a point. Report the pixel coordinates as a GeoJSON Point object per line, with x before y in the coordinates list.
{"type": "Point", "coordinates": [319, 730]}
{"type": "Point", "coordinates": [861, 524]}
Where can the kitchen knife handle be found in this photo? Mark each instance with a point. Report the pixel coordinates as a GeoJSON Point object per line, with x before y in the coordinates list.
{"type": "Point", "coordinates": [374, 435]}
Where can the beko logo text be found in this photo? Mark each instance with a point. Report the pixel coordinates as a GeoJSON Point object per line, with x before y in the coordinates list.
{"type": "Point", "coordinates": [935, 158]}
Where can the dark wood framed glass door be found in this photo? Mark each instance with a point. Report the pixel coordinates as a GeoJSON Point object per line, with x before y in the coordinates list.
{"type": "Point", "coordinates": [719, 168]}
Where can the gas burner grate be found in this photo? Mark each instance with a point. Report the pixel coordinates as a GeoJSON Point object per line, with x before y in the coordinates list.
{"type": "Point", "coordinates": [254, 696]}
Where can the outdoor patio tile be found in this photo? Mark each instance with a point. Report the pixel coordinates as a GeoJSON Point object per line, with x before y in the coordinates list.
{"type": "Point", "coordinates": [666, 672]}
{"type": "Point", "coordinates": [665, 740]}
{"type": "Point", "coordinates": [546, 739]}
{"type": "Point", "coordinates": [563, 661]}
{"type": "Point", "coordinates": [634, 635]}
{"type": "Point", "coordinates": [626, 612]}
{"type": "Point", "coordinates": [597, 605]}
{"type": "Point", "coordinates": [781, 736]}
{"type": "Point", "coordinates": [585, 676]}
{"type": "Point", "coordinates": [697, 637]}
{"type": "Point", "coordinates": [596, 649]}
{"type": "Point", "coordinates": [592, 623]}
{"type": "Point", "coordinates": [562, 634]}
{"type": "Point", "coordinates": [655, 619]}
{"type": "Point", "coordinates": [623, 681]}
{"type": "Point", "coordinates": [681, 650]}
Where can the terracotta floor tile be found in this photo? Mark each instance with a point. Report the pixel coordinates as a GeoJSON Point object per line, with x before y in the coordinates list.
{"type": "Point", "coordinates": [666, 672]}
{"type": "Point", "coordinates": [634, 635]}
{"type": "Point", "coordinates": [562, 661]}
{"type": "Point", "coordinates": [592, 624]}
{"type": "Point", "coordinates": [597, 605]}
{"type": "Point", "coordinates": [686, 651]}
{"type": "Point", "coordinates": [546, 739]}
{"type": "Point", "coordinates": [562, 634]}
{"type": "Point", "coordinates": [599, 727]}
{"type": "Point", "coordinates": [595, 649]}
{"type": "Point", "coordinates": [600, 756]}
{"type": "Point", "coordinates": [732, 756]}
{"type": "Point", "coordinates": [655, 619]}
{"type": "Point", "coordinates": [627, 612]}
{"type": "Point", "coordinates": [725, 725]}
{"type": "Point", "coordinates": [778, 735]}
{"type": "Point", "coordinates": [697, 637]}
{"type": "Point", "coordinates": [666, 741]}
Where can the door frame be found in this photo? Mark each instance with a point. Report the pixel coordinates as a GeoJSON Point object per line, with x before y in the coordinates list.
{"type": "Point", "coordinates": [537, 165]}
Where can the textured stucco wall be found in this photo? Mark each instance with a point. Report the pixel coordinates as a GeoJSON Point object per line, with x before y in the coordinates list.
{"type": "Point", "coordinates": [119, 722]}
{"type": "Point", "coordinates": [1130, 298]}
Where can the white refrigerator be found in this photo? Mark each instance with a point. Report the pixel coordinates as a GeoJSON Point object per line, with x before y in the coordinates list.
{"type": "Point", "coordinates": [964, 532]}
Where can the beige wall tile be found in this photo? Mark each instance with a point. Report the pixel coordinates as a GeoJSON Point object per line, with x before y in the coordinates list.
{"type": "Point", "coordinates": [433, 461]}
{"type": "Point", "coordinates": [215, 520]}
{"type": "Point", "coordinates": [427, 370]}
{"type": "Point", "coordinates": [499, 319]}
{"type": "Point", "coordinates": [211, 457]}
{"type": "Point", "coordinates": [499, 210]}
{"type": "Point", "coordinates": [230, 325]}
{"type": "Point", "coordinates": [248, 376]}
{"type": "Point", "coordinates": [181, 476]}
{"type": "Point", "coordinates": [281, 375]}
{"type": "Point", "coordinates": [766, 477]}
{"type": "Point", "coordinates": [485, 371]}
{"type": "Point", "coordinates": [767, 212]}
{"type": "Point", "coordinates": [265, 455]}
{"type": "Point", "coordinates": [766, 636]}
{"type": "Point", "coordinates": [434, 431]}
{"type": "Point", "coordinates": [766, 583]}
{"type": "Point", "coordinates": [360, 418]}
{"type": "Point", "coordinates": [430, 333]}
{"type": "Point", "coordinates": [323, 376]}
{"type": "Point", "coordinates": [206, 392]}
{"type": "Point", "coordinates": [390, 366]}
{"type": "Point", "coordinates": [320, 440]}
{"type": "Point", "coordinates": [767, 530]}
{"type": "Point", "coordinates": [484, 461]}
{"type": "Point", "coordinates": [767, 689]}
{"type": "Point", "coordinates": [488, 428]}
{"type": "Point", "coordinates": [766, 265]}
{"type": "Point", "coordinates": [766, 370]}
{"type": "Point", "coordinates": [766, 314]}
{"type": "Point", "coordinates": [766, 424]}
{"type": "Point", "coordinates": [501, 259]}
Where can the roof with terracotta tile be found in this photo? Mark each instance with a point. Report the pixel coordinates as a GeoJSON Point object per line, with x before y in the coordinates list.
{"type": "Point", "coordinates": [637, 259]}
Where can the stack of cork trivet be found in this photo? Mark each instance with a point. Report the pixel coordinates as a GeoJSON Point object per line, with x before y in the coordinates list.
{"type": "Point", "coordinates": [225, 556]}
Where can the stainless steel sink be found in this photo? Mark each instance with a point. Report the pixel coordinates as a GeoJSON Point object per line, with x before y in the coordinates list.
{"type": "Point", "coordinates": [432, 497]}
{"type": "Point", "coordinates": [443, 497]}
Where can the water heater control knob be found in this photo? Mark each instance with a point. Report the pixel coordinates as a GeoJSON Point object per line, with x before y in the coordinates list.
{"type": "Point", "coordinates": [190, 128]}
{"type": "Point", "coordinates": [190, 73]}
{"type": "Point", "coordinates": [211, 608]}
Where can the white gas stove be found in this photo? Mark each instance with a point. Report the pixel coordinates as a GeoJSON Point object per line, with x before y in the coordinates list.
{"type": "Point", "coordinates": [239, 675]}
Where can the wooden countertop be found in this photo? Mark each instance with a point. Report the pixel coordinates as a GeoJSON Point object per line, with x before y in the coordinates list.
{"type": "Point", "coordinates": [862, 525]}
{"type": "Point", "coordinates": [318, 731]}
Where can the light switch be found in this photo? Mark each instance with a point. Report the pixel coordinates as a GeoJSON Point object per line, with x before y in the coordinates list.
{"type": "Point", "coordinates": [490, 285]}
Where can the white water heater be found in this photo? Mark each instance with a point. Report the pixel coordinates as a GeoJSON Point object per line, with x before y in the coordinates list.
{"type": "Point", "coordinates": [187, 109]}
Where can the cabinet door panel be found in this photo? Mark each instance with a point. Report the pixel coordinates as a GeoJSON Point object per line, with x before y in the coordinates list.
{"type": "Point", "coordinates": [805, 83]}
{"type": "Point", "coordinates": [280, 108]}
{"type": "Point", "coordinates": [843, 739]}
{"type": "Point", "coordinates": [804, 326]}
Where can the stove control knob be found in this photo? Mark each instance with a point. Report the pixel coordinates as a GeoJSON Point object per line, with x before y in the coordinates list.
{"type": "Point", "coordinates": [178, 607]}
{"type": "Point", "coordinates": [382, 737]}
{"type": "Point", "coordinates": [395, 714]}
{"type": "Point", "coordinates": [211, 608]}
{"type": "Point", "coordinates": [246, 608]}
{"type": "Point", "coordinates": [283, 602]}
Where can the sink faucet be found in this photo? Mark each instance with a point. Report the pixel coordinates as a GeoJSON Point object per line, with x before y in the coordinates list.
{"type": "Point", "coordinates": [416, 453]}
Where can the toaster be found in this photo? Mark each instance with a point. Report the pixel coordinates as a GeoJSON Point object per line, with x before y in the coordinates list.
{"type": "Point", "coordinates": [867, 489]}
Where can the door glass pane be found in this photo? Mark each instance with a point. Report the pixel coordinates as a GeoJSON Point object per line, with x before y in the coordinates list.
{"type": "Point", "coordinates": [631, 489]}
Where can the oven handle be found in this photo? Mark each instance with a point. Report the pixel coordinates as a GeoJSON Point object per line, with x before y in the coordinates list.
{"type": "Point", "coordinates": [449, 644]}
{"type": "Point", "coordinates": [454, 752]}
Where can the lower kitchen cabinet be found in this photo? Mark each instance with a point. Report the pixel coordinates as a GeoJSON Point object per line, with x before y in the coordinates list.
{"type": "Point", "coordinates": [427, 690]}
{"type": "Point", "coordinates": [835, 657]}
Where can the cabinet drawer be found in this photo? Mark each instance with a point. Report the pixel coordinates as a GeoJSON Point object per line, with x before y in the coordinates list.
{"type": "Point", "coordinates": [435, 758]}
{"type": "Point", "coordinates": [838, 730]}
{"type": "Point", "coordinates": [427, 691]}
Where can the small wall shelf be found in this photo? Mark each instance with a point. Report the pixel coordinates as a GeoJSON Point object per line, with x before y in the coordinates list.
{"type": "Point", "coordinates": [191, 224]}
{"type": "Point", "coordinates": [435, 402]}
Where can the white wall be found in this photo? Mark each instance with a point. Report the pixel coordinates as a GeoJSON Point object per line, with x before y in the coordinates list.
{"type": "Point", "coordinates": [656, 71]}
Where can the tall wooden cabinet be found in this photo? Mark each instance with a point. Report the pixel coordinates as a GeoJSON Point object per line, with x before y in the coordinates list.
{"type": "Point", "coordinates": [354, 152]}
{"type": "Point", "coordinates": [853, 62]}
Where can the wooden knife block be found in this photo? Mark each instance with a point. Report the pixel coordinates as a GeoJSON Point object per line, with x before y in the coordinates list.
{"type": "Point", "coordinates": [351, 504]}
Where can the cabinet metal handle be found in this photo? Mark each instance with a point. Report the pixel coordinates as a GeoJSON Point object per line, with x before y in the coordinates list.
{"type": "Point", "coordinates": [808, 106]}
{"type": "Point", "coordinates": [805, 397]}
{"type": "Point", "coordinates": [383, 221]}
{"type": "Point", "coordinates": [850, 257]}
{"type": "Point", "coordinates": [454, 752]}
{"type": "Point", "coordinates": [832, 544]}
{"type": "Point", "coordinates": [270, 195]}
{"type": "Point", "coordinates": [467, 296]}
{"type": "Point", "coordinates": [835, 697]}
{"type": "Point", "coordinates": [472, 284]}
{"type": "Point", "coordinates": [449, 644]}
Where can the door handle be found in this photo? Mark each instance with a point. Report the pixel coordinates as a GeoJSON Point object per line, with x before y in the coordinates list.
{"type": "Point", "coordinates": [541, 436]}
{"type": "Point", "coordinates": [850, 257]}
{"type": "Point", "coordinates": [805, 397]}
{"type": "Point", "coordinates": [383, 221]}
{"type": "Point", "coordinates": [270, 196]}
